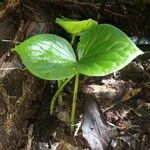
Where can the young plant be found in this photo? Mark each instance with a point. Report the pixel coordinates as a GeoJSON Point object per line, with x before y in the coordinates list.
{"type": "Point", "coordinates": [102, 49]}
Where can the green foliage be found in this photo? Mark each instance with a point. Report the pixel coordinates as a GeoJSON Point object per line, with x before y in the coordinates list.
{"type": "Point", "coordinates": [75, 27]}
{"type": "Point", "coordinates": [103, 49]}
{"type": "Point", "coordinates": [48, 56]}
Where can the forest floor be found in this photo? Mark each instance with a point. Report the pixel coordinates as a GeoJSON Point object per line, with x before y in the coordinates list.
{"type": "Point", "coordinates": [113, 112]}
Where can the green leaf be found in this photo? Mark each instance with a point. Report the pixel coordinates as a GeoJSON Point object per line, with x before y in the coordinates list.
{"type": "Point", "coordinates": [75, 27]}
{"type": "Point", "coordinates": [104, 49]}
{"type": "Point", "coordinates": [48, 56]}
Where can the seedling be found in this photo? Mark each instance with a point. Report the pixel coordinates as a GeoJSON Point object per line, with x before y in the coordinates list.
{"type": "Point", "coordinates": [102, 49]}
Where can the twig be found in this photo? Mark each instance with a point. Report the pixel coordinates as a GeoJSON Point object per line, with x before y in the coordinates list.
{"type": "Point", "coordinates": [30, 132]}
{"type": "Point", "coordinates": [5, 69]}
{"type": "Point", "coordinates": [10, 41]}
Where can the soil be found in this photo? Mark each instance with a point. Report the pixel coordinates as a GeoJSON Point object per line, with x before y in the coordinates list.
{"type": "Point", "coordinates": [113, 112]}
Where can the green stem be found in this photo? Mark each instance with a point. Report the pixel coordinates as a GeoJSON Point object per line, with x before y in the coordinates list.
{"type": "Point", "coordinates": [73, 39]}
{"type": "Point", "coordinates": [57, 94]}
{"type": "Point", "coordinates": [74, 101]}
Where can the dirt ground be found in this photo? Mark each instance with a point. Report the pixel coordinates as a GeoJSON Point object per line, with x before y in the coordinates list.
{"type": "Point", "coordinates": [113, 112]}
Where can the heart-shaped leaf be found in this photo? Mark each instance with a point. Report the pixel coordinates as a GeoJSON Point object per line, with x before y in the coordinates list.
{"type": "Point", "coordinates": [75, 27]}
{"type": "Point", "coordinates": [104, 49]}
{"type": "Point", "coordinates": [48, 56]}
